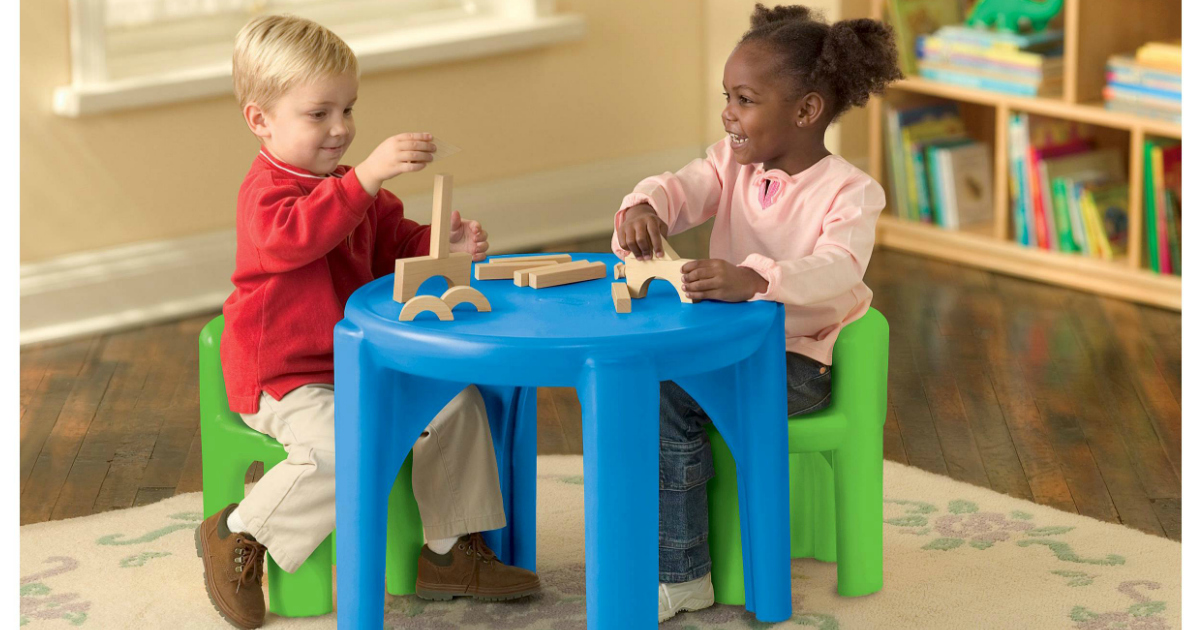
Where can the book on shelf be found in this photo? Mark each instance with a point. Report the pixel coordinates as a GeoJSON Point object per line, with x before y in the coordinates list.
{"type": "Point", "coordinates": [962, 176]}
{"type": "Point", "coordinates": [1019, 64]}
{"type": "Point", "coordinates": [908, 132]}
{"type": "Point", "coordinates": [1049, 161]}
{"type": "Point", "coordinates": [1046, 41]}
{"type": "Point", "coordinates": [1146, 83]}
{"type": "Point", "coordinates": [1162, 190]}
{"type": "Point", "coordinates": [1166, 55]}
{"type": "Point", "coordinates": [934, 48]}
{"type": "Point", "coordinates": [912, 18]}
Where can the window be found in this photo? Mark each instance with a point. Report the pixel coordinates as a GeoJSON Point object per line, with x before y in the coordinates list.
{"type": "Point", "coordinates": [127, 53]}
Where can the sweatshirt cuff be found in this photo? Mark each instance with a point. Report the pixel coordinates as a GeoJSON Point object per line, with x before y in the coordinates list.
{"type": "Point", "coordinates": [630, 200]}
{"type": "Point", "coordinates": [353, 193]}
{"type": "Point", "coordinates": [769, 270]}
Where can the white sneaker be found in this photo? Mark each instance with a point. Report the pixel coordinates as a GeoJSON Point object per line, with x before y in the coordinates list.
{"type": "Point", "coordinates": [691, 596]}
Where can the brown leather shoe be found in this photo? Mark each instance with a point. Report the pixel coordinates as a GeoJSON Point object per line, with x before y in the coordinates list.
{"type": "Point", "coordinates": [470, 569]}
{"type": "Point", "coordinates": [233, 570]}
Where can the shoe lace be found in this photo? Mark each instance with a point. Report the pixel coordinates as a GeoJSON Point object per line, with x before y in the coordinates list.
{"type": "Point", "coordinates": [478, 550]}
{"type": "Point", "coordinates": [252, 554]}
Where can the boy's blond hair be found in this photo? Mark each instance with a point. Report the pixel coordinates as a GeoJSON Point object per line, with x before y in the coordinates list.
{"type": "Point", "coordinates": [274, 53]}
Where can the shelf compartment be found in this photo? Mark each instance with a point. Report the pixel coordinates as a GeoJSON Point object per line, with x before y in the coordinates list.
{"type": "Point", "coordinates": [1114, 278]}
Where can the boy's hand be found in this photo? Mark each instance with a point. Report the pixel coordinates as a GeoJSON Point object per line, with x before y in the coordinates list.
{"type": "Point", "coordinates": [720, 280]}
{"type": "Point", "coordinates": [404, 153]}
{"type": "Point", "coordinates": [641, 232]}
{"type": "Point", "coordinates": [467, 236]}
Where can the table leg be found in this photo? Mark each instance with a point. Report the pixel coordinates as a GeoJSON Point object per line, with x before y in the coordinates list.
{"type": "Point", "coordinates": [619, 400]}
{"type": "Point", "coordinates": [748, 405]}
{"type": "Point", "coordinates": [361, 441]}
{"type": "Point", "coordinates": [523, 491]}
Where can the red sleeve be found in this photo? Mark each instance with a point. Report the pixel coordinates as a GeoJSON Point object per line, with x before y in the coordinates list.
{"type": "Point", "coordinates": [291, 229]}
{"type": "Point", "coordinates": [396, 237]}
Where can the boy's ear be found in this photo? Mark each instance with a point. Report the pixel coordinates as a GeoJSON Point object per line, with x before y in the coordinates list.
{"type": "Point", "coordinates": [256, 119]}
{"type": "Point", "coordinates": [809, 109]}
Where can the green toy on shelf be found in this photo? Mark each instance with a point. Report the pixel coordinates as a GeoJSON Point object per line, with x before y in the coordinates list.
{"type": "Point", "coordinates": [1012, 15]}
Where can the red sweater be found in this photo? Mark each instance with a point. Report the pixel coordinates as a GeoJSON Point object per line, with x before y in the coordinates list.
{"type": "Point", "coordinates": [304, 243]}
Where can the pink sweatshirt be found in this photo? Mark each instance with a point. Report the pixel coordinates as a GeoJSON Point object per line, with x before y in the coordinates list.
{"type": "Point", "coordinates": [809, 235]}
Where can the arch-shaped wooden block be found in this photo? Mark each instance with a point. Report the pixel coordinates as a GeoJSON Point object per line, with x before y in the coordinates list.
{"type": "Point", "coordinates": [639, 273]}
{"type": "Point", "coordinates": [423, 304]}
{"type": "Point", "coordinates": [466, 295]}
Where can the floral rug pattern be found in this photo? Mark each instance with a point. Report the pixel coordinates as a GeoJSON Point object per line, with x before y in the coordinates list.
{"type": "Point", "coordinates": [955, 556]}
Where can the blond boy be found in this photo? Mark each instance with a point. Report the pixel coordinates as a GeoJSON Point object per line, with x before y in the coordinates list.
{"type": "Point", "coordinates": [310, 232]}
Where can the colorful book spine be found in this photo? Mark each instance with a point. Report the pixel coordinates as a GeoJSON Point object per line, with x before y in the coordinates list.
{"type": "Point", "coordinates": [1143, 91]}
{"type": "Point", "coordinates": [1047, 239]}
{"type": "Point", "coordinates": [1087, 206]}
{"type": "Point", "coordinates": [1016, 154]}
{"type": "Point", "coordinates": [899, 197]}
{"type": "Point", "coordinates": [1062, 206]}
{"type": "Point", "coordinates": [1150, 214]}
{"type": "Point", "coordinates": [1160, 211]}
{"type": "Point", "coordinates": [1015, 59]}
{"type": "Point", "coordinates": [1047, 39]}
{"type": "Point", "coordinates": [966, 79]}
{"type": "Point", "coordinates": [1173, 232]}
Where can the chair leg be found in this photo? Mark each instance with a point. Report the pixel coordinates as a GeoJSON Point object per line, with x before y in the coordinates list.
{"type": "Point", "coordinates": [813, 515]}
{"type": "Point", "coordinates": [224, 482]}
{"type": "Point", "coordinates": [404, 536]}
{"type": "Point", "coordinates": [724, 528]}
{"type": "Point", "coordinates": [858, 488]}
{"type": "Point", "coordinates": [309, 591]}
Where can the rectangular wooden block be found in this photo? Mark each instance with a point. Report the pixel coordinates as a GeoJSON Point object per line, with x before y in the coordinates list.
{"type": "Point", "coordinates": [558, 258]}
{"type": "Point", "coordinates": [521, 277]}
{"type": "Point", "coordinates": [620, 295]}
{"type": "Point", "coordinates": [555, 276]}
{"type": "Point", "coordinates": [504, 271]}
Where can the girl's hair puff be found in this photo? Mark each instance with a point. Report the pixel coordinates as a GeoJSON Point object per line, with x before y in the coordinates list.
{"type": "Point", "coordinates": [846, 62]}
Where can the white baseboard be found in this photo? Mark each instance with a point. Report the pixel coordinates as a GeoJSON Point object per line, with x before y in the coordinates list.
{"type": "Point", "coordinates": [135, 285]}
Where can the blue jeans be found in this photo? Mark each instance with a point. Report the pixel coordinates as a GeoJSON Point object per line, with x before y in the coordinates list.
{"type": "Point", "coordinates": [685, 466]}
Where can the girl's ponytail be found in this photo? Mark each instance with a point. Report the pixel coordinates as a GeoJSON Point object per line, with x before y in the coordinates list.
{"type": "Point", "coordinates": [847, 61]}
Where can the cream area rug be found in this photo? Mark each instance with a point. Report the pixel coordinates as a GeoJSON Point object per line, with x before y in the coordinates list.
{"type": "Point", "coordinates": [955, 556]}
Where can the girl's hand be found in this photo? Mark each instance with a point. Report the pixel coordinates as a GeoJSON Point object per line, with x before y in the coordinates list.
{"type": "Point", "coordinates": [641, 232]}
{"type": "Point", "coordinates": [720, 280]}
{"type": "Point", "coordinates": [467, 236]}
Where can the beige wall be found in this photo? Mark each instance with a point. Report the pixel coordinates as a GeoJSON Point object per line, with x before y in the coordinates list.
{"type": "Point", "coordinates": [630, 87]}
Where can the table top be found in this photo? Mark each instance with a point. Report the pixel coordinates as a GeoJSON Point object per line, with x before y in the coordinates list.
{"type": "Point", "coordinates": [566, 323]}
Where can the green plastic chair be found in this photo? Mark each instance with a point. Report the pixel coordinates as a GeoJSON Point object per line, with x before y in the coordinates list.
{"type": "Point", "coordinates": [229, 447]}
{"type": "Point", "coordinates": [836, 473]}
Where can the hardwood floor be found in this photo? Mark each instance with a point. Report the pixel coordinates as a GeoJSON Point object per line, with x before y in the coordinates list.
{"type": "Point", "coordinates": [1042, 393]}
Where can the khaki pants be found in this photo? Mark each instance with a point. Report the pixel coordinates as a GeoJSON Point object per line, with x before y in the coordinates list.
{"type": "Point", "coordinates": [291, 509]}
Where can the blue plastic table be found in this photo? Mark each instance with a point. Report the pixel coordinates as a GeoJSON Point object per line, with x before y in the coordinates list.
{"type": "Point", "coordinates": [393, 377]}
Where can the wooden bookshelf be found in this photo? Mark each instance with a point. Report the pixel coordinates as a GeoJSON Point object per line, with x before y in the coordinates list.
{"type": "Point", "coordinates": [1110, 30]}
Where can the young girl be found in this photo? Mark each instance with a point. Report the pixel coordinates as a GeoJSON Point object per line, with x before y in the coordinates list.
{"type": "Point", "coordinates": [794, 224]}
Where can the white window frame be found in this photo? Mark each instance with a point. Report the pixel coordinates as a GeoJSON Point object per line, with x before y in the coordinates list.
{"type": "Point", "coordinates": [498, 26]}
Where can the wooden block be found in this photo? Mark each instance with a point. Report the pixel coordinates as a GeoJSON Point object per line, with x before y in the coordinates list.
{"type": "Point", "coordinates": [521, 277]}
{"type": "Point", "coordinates": [668, 251]}
{"type": "Point", "coordinates": [620, 295]}
{"type": "Point", "coordinates": [559, 258]}
{"type": "Point", "coordinates": [411, 272]}
{"type": "Point", "coordinates": [618, 271]}
{"type": "Point", "coordinates": [439, 235]}
{"type": "Point", "coordinates": [556, 275]}
{"type": "Point", "coordinates": [423, 304]}
{"type": "Point", "coordinates": [639, 273]}
{"type": "Point", "coordinates": [505, 270]}
{"type": "Point", "coordinates": [466, 295]}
